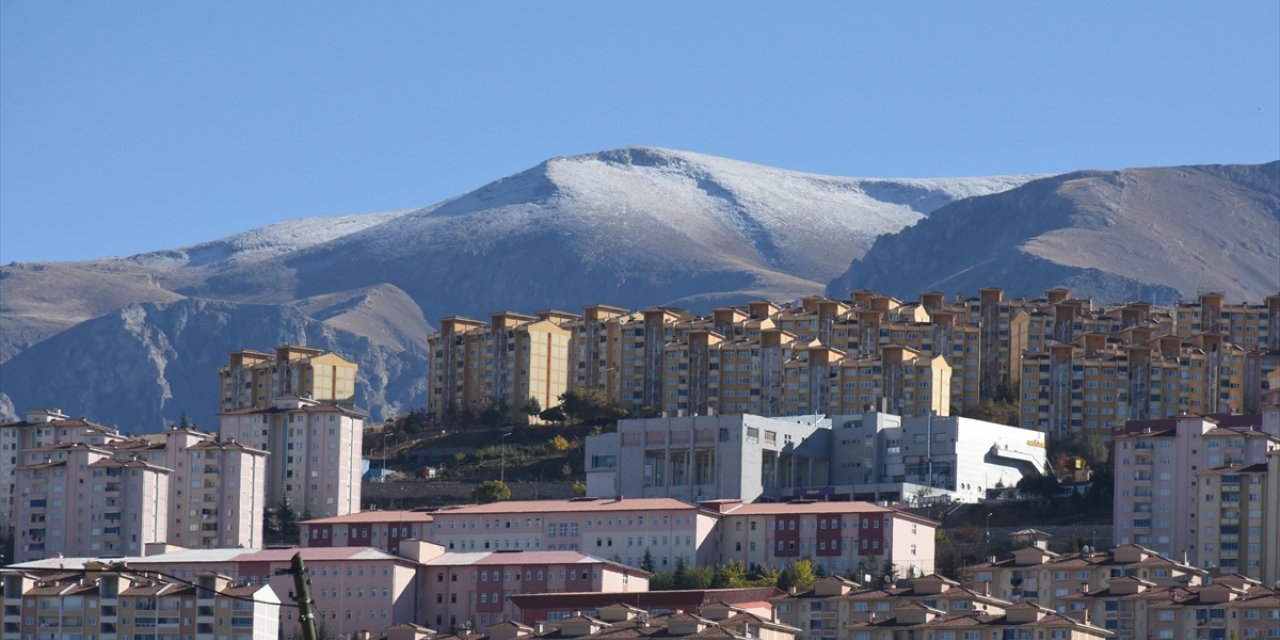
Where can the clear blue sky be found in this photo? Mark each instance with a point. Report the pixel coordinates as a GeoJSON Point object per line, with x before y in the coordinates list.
{"type": "Point", "coordinates": [128, 127]}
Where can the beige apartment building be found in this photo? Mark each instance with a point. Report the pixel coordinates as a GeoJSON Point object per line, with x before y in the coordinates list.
{"type": "Point", "coordinates": [1187, 486]}
{"type": "Point", "coordinates": [1100, 382]}
{"type": "Point", "coordinates": [1074, 366]}
{"type": "Point", "coordinates": [78, 499]}
{"type": "Point", "coordinates": [899, 380]}
{"type": "Point", "coordinates": [314, 452]}
{"type": "Point", "coordinates": [1231, 606]}
{"type": "Point", "coordinates": [115, 604]}
{"type": "Point", "coordinates": [254, 379]}
{"type": "Point", "coordinates": [41, 428]}
{"type": "Point", "coordinates": [504, 363]}
{"type": "Point", "coordinates": [834, 603]}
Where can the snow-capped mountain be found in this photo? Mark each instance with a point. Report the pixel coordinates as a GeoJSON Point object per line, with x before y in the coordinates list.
{"type": "Point", "coordinates": [632, 227]}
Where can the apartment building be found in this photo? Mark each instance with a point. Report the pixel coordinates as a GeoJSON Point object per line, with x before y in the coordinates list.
{"type": "Point", "coordinates": [127, 604]}
{"type": "Point", "coordinates": [380, 529]}
{"type": "Point", "coordinates": [315, 452]}
{"type": "Point", "coordinates": [254, 379]}
{"type": "Point", "coordinates": [503, 363]}
{"type": "Point", "coordinates": [710, 603]}
{"type": "Point", "coordinates": [1232, 606]}
{"type": "Point", "coordinates": [77, 499]}
{"type": "Point", "coordinates": [714, 620]}
{"type": "Point", "coordinates": [898, 380]}
{"type": "Point", "coordinates": [1251, 326]}
{"type": "Point", "coordinates": [1188, 485]}
{"type": "Point", "coordinates": [838, 537]}
{"type": "Point", "coordinates": [696, 458]}
{"type": "Point", "coordinates": [475, 589]}
{"type": "Point", "coordinates": [40, 428]}
{"type": "Point", "coordinates": [223, 500]}
{"type": "Point", "coordinates": [834, 602]}
{"type": "Point", "coordinates": [1100, 382]}
{"type": "Point", "coordinates": [625, 530]}
{"type": "Point", "coordinates": [1052, 580]}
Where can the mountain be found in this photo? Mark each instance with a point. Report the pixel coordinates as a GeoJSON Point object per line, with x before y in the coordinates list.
{"type": "Point", "coordinates": [1156, 234]}
{"type": "Point", "coordinates": [135, 341]}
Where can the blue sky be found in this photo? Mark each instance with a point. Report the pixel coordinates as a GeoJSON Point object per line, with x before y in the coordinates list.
{"type": "Point", "coordinates": [128, 127]}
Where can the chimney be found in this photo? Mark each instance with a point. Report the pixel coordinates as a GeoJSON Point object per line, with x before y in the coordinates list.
{"type": "Point", "coordinates": [986, 588]}
{"type": "Point", "coordinates": [793, 590]}
{"type": "Point", "coordinates": [1084, 587]}
{"type": "Point", "coordinates": [1086, 615]}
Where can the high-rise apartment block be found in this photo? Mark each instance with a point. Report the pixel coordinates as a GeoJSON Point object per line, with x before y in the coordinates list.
{"type": "Point", "coordinates": [254, 379]}
{"type": "Point", "coordinates": [41, 428]}
{"type": "Point", "coordinates": [1071, 365]}
{"type": "Point", "coordinates": [1196, 487]}
{"type": "Point", "coordinates": [315, 452]}
{"type": "Point", "coordinates": [77, 499]}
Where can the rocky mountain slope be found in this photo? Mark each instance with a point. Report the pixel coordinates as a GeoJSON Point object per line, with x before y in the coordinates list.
{"type": "Point", "coordinates": [135, 341]}
{"type": "Point", "coordinates": [1155, 234]}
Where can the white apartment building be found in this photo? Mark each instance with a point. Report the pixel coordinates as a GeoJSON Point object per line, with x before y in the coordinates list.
{"type": "Point", "coordinates": [315, 452]}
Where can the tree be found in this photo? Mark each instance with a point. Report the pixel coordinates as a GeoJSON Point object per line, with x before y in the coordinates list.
{"type": "Point", "coordinates": [798, 574]}
{"type": "Point", "coordinates": [730, 575]}
{"type": "Point", "coordinates": [495, 415]}
{"type": "Point", "coordinates": [589, 406]}
{"type": "Point", "coordinates": [184, 422]}
{"type": "Point", "coordinates": [491, 491]}
{"type": "Point", "coordinates": [532, 406]}
{"type": "Point", "coordinates": [579, 488]}
{"type": "Point", "coordinates": [647, 562]}
{"type": "Point", "coordinates": [1043, 486]}
{"type": "Point", "coordinates": [681, 576]}
{"type": "Point", "coordinates": [560, 444]}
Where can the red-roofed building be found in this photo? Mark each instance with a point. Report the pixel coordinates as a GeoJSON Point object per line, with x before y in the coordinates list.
{"type": "Point", "coordinates": [840, 537]}
{"type": "Point", "coordinates": [478, 588]}
{"type": "Point", "coordinates": [622, 529]}
{"type": "Point", "coordinates": [381, 529]}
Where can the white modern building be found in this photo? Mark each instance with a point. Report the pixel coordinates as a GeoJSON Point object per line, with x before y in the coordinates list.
{"type": "Point", "coordinates": [874, 456]}
{"type": "Point", "coordinates": [694, 458]}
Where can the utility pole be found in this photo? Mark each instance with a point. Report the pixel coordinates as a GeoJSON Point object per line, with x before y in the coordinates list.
{"type": "Point", "coordinates": [302, 587]}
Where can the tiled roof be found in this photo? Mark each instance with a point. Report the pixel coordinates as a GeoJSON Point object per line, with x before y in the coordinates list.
{"type": "Point", "coordinates": [374, 516]}
{"type": "Point", "coordinates": [569, 506]}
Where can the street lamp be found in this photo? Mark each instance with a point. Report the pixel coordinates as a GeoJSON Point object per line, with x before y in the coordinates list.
{"type": "Point", "coordinates": [385, 437]}
{"type": "Point", "coordinates": [503, 473]}
{"type": "Point", "coordinates": [989, 514]}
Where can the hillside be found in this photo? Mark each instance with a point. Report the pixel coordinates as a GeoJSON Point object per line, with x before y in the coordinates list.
{"type": "Point", "coordinates": [1156, 234]}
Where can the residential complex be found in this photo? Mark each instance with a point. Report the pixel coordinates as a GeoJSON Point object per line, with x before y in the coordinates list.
{"type": "Point", "coordinates": [1071, 365]}
{"type": "Point", "coordinates": [254, 379]}
{"type": "Point", "coordinates": [315, 452]}
{"type": "Point", "coordinates": [127, 604]}
{"type": "Point", "coordinates": [1195, 486]}
{"type": "Point", "coordinates": [872, 456]}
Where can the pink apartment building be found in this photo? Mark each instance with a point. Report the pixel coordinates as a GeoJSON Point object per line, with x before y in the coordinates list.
{"type": "Point", "coordinates": [1187, 486]}
{"type": "Point", "coordinates": [41, 428]}
{"type": "Point", "coordinates": [840, 537]}
{"type": "Point", "coordinates": [315, 453]}
{"type": "Point", "coordinates": [382, 529]}
{"type": "Point", "coordinates": [620, 529]}
{"type": "Point", "coordinates": [77, 499]}
{"type": "Point", "coordinates": [475, 589]}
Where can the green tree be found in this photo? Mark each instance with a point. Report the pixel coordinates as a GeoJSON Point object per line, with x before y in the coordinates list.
{"type": "Point", "coordinates": [491, 491]}
{"type": "Point", "coordinates": [184, 422]}
{"type": "Point", "coordinates": [589, 406]}
{"type": "Point", "coordinates": [730, 575]}
{"type": "Point", "coordinates": [532, 406]}
{"type": "Point", "coordinates": [1043, 486]}
{"type": "Point", "coordinates": [798, 574]}
{"type": "Point", "coordinates": [681, 576]}
{"type": "Point", "coordinates": [647, 562]}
